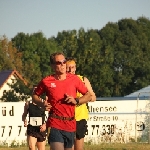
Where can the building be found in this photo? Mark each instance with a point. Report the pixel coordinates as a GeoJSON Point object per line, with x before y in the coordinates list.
{"type": "Point", "coordinates": [142, 93]}
{"type": "Point", "coordinates": [7, 77]}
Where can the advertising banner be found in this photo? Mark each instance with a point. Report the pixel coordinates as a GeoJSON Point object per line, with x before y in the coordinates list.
{"type": "Point", "coordinates": [120, 120]}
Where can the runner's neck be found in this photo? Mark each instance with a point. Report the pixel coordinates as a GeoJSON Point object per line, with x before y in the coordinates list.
{"type": "Point", "coordinates": [60, 77]}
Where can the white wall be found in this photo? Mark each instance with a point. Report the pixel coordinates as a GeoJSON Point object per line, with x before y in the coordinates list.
{"type": "Point", "coordinates": [6, 86]}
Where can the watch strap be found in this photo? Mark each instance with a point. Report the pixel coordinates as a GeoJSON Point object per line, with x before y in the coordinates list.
{"type": "Point", "coordinates": [77, 100]}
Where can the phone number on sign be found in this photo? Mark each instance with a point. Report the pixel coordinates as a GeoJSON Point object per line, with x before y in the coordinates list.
{"type": "Point", "coordinates": [12, 131]}
{"type": "Point", "coordinates": [95, 130]}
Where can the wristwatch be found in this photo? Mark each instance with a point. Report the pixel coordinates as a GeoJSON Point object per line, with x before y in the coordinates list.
{"type": "Point", "coordinates": [77, 100]}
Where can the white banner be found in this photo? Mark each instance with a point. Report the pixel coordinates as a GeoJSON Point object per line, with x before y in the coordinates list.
{"type": "Point", "coordinates": [118, 121]}
{"type": "Point", "coordinates": [108, 120]}
{"type": "Point", "coordinates": [11, 125]}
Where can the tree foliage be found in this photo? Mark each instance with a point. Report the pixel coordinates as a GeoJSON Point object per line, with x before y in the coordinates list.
{"type": "Point", "coordinates": [115, 59]}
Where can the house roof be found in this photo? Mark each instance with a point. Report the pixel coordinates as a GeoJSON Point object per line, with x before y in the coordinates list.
{"type": "Point", "coordinates": [5, 75]}
{"type": "Point", "coordinates": [144, 92]}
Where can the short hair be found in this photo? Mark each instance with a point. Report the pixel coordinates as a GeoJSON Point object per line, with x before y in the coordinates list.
{"type": "Point", "coordinates": [71, 59]}
{"type": "Point", "coordinates": [52, 56]}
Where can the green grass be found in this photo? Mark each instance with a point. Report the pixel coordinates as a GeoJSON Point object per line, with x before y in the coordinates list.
{"type": "Point", "coordinates": [107, 146]}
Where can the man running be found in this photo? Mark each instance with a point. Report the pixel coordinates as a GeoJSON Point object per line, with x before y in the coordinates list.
{"type": "Point", "coordinates": [60, 89]}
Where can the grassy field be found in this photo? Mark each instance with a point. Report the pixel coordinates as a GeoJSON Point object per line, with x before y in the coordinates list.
{"type": "Point", "coordinates": [131, 146]}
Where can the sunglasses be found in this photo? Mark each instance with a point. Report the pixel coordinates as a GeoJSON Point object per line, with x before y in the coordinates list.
{"type": "Point", "coordinates": [60, 62]}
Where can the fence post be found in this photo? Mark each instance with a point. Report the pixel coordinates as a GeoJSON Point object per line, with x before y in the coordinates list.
{"type": "Point", "coordinates": [136, 119]}
{"type": "Point", "coordinates": [149, 128]}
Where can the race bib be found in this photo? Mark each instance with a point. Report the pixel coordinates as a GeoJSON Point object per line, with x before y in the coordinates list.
{"type": "Point", "coordinates": [35, 121]}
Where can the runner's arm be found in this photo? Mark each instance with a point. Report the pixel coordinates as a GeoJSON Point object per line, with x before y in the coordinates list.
{"type": "Point", "coordinates": [37, 100]}
{"type": "Point", "coordinates": [89, 87]}
{"type": "Point", "coordinates": [44, 104]}
{"type": "Point", "coordinates": [24, 115]}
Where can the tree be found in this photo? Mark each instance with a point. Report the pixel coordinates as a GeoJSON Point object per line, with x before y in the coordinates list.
{"type": "Point", "coordinates": [67, 41]}
{"type": "Point", "coordinates": [134, 60]}
{"type": "Point", "coordinates": [10, 59]}
{"type": "Point", "coordinates": [107, 52]}
{"type": "Point", "coordinates": [115, 59]}
{"type": "Point", "coordinates": [36, 50]}
{"type": "Point", "coordinates": [89, 57]}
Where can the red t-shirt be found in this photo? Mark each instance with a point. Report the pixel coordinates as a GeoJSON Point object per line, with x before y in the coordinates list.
{"type": "Point", "coordinates": [55, 91]}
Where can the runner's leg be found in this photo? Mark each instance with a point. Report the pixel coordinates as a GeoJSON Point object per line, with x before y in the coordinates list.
{"type": "Point", "coordinates": [31, 142]}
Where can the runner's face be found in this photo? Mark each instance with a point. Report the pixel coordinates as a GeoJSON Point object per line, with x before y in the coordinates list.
{"type": "Point", "coordinates": [71, 68]}
{"type": "Point", "coordinates": [60, 64]}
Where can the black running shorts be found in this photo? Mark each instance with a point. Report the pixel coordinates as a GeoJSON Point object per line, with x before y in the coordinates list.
{"type": "Point", "coordinates": [81, 129]}
{"type": "Point", "coordinates": [34, 131]}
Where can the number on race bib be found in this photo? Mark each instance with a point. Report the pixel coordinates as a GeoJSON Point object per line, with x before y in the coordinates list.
{"type": "Point", "coordinates": [35, 121]}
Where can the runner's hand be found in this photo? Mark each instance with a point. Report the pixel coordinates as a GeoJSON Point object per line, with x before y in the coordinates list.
{"type": "Point", "coordinates": [70, 99]}
{"type": "Point", "coordinates": [47, 106]}
{"type": "Point", "coordinates": [43, 127]}
{"type": "Point", "coordinates": [25, 123]}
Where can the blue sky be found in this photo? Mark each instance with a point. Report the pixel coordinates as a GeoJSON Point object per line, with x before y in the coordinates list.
{"type": "Point", "coordinates": [53, 16]}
